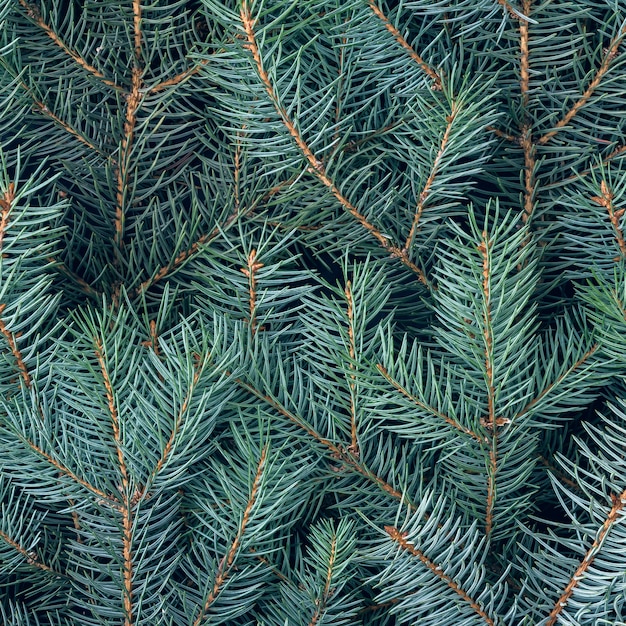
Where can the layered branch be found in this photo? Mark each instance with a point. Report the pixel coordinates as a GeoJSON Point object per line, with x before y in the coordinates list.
{"type": "Point", "coordinates": [587, 561]}
{"type": "Point", "coordinates": [228, 560]}
{"type": "Point", "coordinates": [316, 166]}
{"type": "Point", "coordinates": [437, 571]}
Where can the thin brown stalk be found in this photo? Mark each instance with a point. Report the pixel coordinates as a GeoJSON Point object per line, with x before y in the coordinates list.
{"type": "Point", "coordinates": [315, 166]}
{"type": "Point", "coordinates": [586, 562]}
{"type": "Point", "coordinates": [609, 55]}
{"type": "Point", "coordinates": [33, 12]}
{"type": "Point", "coordinates": [15, 351]}
{"type": "Point", "coordinates": [437, 570]}
{"type": "Point", "coordinates": [250, 271]}
{"type": "Point", "coordinates": [179, 78]}
{"type": "Point", "coordinates": [30, 556]}
{"type": "Point", "coordinates": [554, 384]}
{"type": "Point", "coordinates": [429, 409]}
{"type": "Point", "coordinates": [354, 445]}
{"type": "Point", "coordinates": [423, 197]}
{"type": "Point", "coordinates": [226, 564]}
{"type": "Point", "coordinates": [405, 44]}
{"type": "Point", "coordinates": [502, 134]}
{"type": "Point", "coordinates": [491, 422]}
{"type": "Point", "coordinates": [337, 452]}
{"type": "Point", "coordinates": [327, 592]}
{"type": "Point", "coordinates": [124, 488]}
{"type": "Point", "coordinates": [606, 200]}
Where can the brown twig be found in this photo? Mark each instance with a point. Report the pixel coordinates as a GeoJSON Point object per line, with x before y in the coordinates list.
{"type": "Point", "coordinates": [436, 86]}
{"type": "Point", "coordinates": [327, 592]}
{"type": "Point", "coordinates": [588, 559]}
{"type": "Point", "coordinates": [30, 556]}
{"type": "Point", "coordinates": [227, 562]}
{"type": "Point", "coordinates": [127, 504]}
{"type": "Point", "coordinates": [491, 421]}
{"type": "Point", "coordinates": [315, 166]}
{"type": "Point", "coordinates": [423, 197]}
{"type": "Point", "coordinates": [354, 445]}
{"type": "Point", "coordinates": [606, 200]}
{"type": "Point", "coordinates": [33, 12]}
{"type": "Point", "coordinates": [609, 54]}
{"type": "Point", "coordinates": [429, 409]}
{"type": "Point", "coordinates": [437, 570]}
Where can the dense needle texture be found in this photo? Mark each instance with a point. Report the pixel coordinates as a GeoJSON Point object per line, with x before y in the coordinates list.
{"type": "Point", "coordinates": [312, 313]}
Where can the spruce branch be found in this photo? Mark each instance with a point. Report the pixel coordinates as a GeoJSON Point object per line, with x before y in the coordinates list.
{"type": "Point", "coordinates": [227, 561]}
{"type": "Point", "coordinates": [34, 14]}
{"type": "Point", "coordinates": [609, 55]}
{"type": "Point", "coordinates": [401, 539]}
{"type": "Point", "coordinates": [315, 165]}
{"type": "Point", "coordinates": [436, 86]}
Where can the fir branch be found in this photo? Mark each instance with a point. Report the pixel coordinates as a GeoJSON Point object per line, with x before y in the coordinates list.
{"type": "Point", "coordinates": [46, 112]}
{"type": "Point", "coordinates": [436, 86]}
{"type": "Point", "coordinates": [491, 421]}
{"type": "Point", "coordinates": [429, 409]}
{"type": "Point", "coordinates": [338, 453]}
{"type": "Point", "coordinates": [103, 498]}
{"type": "Point", "coordinates": [133, 99]}
{"type": "Point", "coordinates": [437, 570]}
{"type": "Point", "coordinates": [81, 283]}
{"type": "Point", "coordinates": [354, 445]}
{"type": "Point", "coordinates": [553, 470]}
{"type": "Point", "coordinates": [15, 351]}
{"type": "Point", "coordinates": [179, 78]}
{"type": "Point", "coordinates": [315, 166]}
{"type": "Point", "coordinates": [606, 200]}
{"type": "Point", "coordinates": [153, 342]}
{"type": "Point", "coordinates": [327, 592]}
{"type": "Point", "coordinates": [30, 556]}
{"type": "Point", "coordinates": [199, 368]}
{"type": "Point", "coordinates": [553, 385]}
{"type": "Point", "coordinates": [609, 55]}
{"type": "Point", "coordinates": [184, 256]}
{"type": "Point", "coordinates": [423, 197]}
{"type": "Point", "coordinates": [6, 204]}
{"type": "Point", "coordinates": [587, 560]}
{"type": "Point", "coordinates": [502, 134]}
{"type": "Point", "coordinates": [526, 140]}
{"type": "Point", "coordinates": [33, 13]}
{"type": "Point", "coordinates": [127, 498]}
{"type": "Point", "coordinates": [253, 266]}
{"type": "Point", "coordinates": [228, 560]}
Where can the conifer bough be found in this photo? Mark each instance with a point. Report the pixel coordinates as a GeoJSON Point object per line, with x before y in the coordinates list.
{"type": "Point", "coordinates": [312, 313]}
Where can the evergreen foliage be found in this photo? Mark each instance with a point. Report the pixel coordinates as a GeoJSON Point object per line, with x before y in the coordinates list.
{"type": "Point", "coordinates": [312, 312]}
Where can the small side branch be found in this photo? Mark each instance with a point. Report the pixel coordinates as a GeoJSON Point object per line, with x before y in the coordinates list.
{"type": "Point", "coordinates": [423, 197]}
{"type": "Point", "coordinates": [336, 451]}
{"type": "Point", "coordinates": [227, 562]}
{"type": "Point", "coordinates": [354, 443]}
{"type": "Point", "coordinates": [30, 556]}
{"type": "Point", "coordinates": [33, 12]}
{"type": "Point", "coordinates": [558, 381]}
{"type": "Point", "coordinates": [606, 200]}
{"type": "Point", "coordinates": [586, 562]}
{"type": "Point", "coordinates": [609, 55]}
{"type": "Point", "coordinates": [437, 570]}
{"type": "Point", "coordinates": [321, 605]}
{"type": "Point", "coordinates": [436, 86]}
{"type": "Point", "coordinates": [425, 407]}
{"type": "Point", "coordinates": [178, 422]}
{"type": "Point", "coordinates": [124, 489]}
{"type": "Point", "coordinates": [491, 422]}
{"type": "Point", "coordinates": [315, 166]}
{"type": "Point", "coordinates": [250, 271]}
